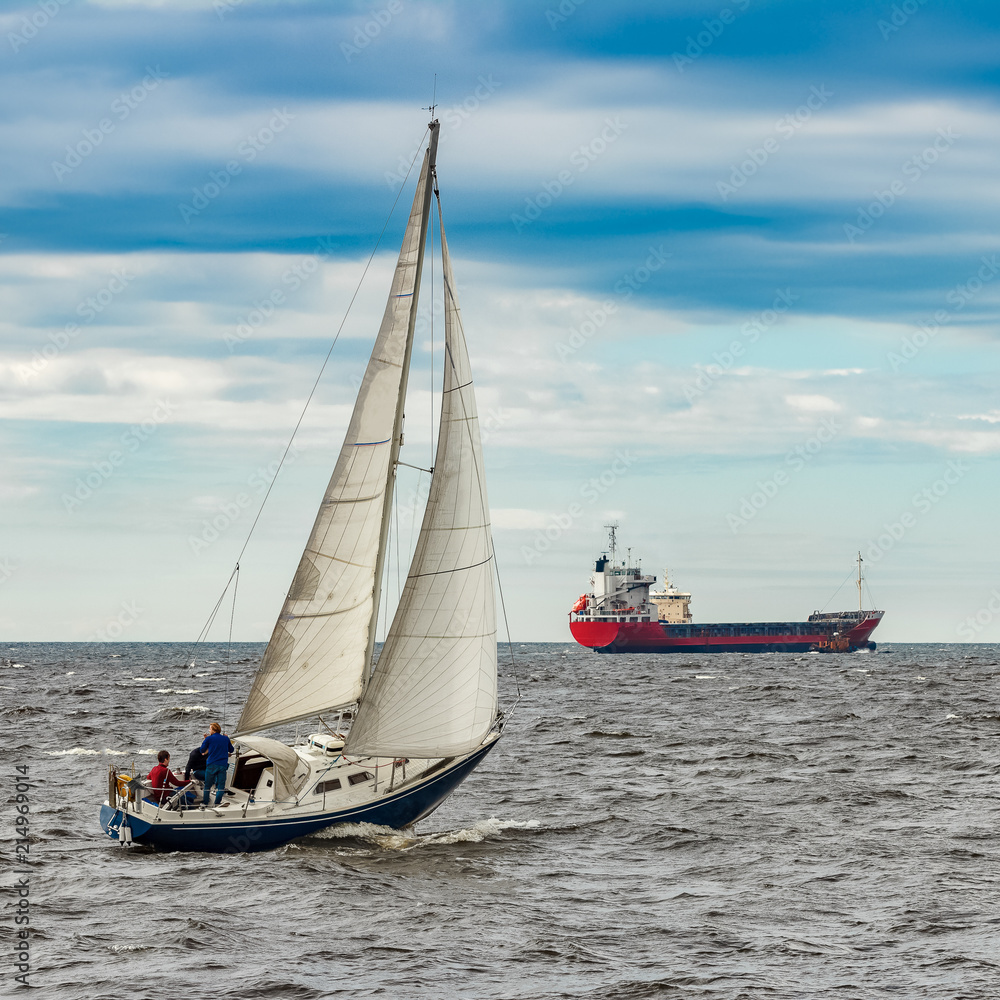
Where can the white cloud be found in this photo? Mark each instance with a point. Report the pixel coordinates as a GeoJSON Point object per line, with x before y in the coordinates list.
{"type": "Point", "coordinates": [813, 404]}
{"type": "Point", "coordinates": [510, 143]}
{"type": "Point", "coordinates": [164, 338]}
{"type": "Point", "coordinates": [517, 519]}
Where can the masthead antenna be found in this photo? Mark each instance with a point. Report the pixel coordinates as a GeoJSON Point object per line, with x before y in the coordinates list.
{"type": "Point", "coordinates": [433, 104]}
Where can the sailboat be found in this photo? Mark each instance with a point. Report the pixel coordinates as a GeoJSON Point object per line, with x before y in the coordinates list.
{"type": "Point", "coordinates": [425, 714]}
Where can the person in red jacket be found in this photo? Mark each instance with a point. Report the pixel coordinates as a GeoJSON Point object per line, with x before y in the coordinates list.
{"type": "Point", "coordinates": [164, 780]}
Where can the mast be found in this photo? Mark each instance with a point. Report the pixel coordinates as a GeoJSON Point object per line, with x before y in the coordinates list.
{"type": "Point", "coordinates": [319, 655]}
{"type": "Point", "coordinates": [860, 605]}
{"type": "Point", "coordinates": [397, 431]}
{"type": "Point", "coordinates": [612, 529]}
{"type": "Point", "coordinates": [434, 691]}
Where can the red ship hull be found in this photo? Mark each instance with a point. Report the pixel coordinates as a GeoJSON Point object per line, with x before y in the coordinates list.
{"type": "Point", "coordinates": [757, 637]}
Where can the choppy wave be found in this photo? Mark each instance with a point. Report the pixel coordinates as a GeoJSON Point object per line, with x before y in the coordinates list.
{"type": "Point", "coordinates": [634, 835]}
{"type": "Point", "coordinates": [182, 711]}
{"type": "Point", "coordinates": [402, 840]}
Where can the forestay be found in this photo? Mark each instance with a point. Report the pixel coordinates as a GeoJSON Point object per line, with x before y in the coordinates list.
{"type": "Point", "coordinates": [434, 689]}
{"type": "Point", "coordinates": [316, 658]}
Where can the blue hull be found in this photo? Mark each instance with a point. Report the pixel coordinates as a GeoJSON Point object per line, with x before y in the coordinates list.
{"type": "Point", "coordinates": [397, 810]}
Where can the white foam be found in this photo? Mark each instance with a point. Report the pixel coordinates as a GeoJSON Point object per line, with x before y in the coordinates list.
{"type": "Point", "coordinates": [397, 840]}
{"type": "Point", "coordinates": [149, 678]}
{"type": "Point", "coordinates": [75, 750]}
{"type": "Point", "coordinates": [202, 675]}
{"type": "Point", "coordinates": [483, 830]}
{"type": "Point", "coordinates": [704, 677]}
{"type": "Point", "coordinates": [70, 673]}
{"type": "Point", "coordinates": [178, 691]}
{"type": "Point", "coordinates": [385, 836]}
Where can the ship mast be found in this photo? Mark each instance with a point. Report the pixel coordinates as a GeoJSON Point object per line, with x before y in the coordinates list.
{"type": "Point", "coordinates": [860, 604]}
{"type": "Point", "coordinates": [612, 528]}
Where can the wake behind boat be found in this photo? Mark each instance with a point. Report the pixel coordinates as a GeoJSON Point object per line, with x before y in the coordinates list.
{"type": "Point", "coordinates": [425, 715]}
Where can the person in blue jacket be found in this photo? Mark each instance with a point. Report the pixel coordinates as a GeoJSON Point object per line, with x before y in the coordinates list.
{"type": "Point", "coordinates": [217, 747]}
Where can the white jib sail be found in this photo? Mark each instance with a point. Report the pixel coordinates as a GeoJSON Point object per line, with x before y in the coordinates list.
{"type": "Point", "coordinates": [316, 657]}
{"type": "Point", "coordinates": [434, 689]}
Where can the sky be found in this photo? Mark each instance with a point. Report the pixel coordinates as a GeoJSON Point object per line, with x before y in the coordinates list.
{"type": "Point", "coordinates": [729, 274]}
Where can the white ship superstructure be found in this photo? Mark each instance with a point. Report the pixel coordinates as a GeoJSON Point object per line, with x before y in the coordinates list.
{"type": "Point", "coordinates": [618, 591]}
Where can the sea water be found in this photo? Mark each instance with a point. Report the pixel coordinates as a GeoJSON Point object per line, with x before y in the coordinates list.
{"type": "Point", "coordinates": [699, 826]}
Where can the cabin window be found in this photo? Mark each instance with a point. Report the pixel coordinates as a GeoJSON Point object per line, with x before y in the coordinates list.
{"type": "Point", "coordinates": [330, 785]}
{"type": "Point", "coordinates": [357, 779]}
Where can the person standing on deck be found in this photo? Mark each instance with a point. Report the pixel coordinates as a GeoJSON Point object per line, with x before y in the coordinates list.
{"type": "Point", "coordinates": [217, 747]}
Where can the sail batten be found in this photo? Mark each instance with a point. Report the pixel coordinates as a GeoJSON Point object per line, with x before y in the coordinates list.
{"type": "Point", "coordinates": [433, 692]}
{"type": "Point", "coordinates": [318, 654]}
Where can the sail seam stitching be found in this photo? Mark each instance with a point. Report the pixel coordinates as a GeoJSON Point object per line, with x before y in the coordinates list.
{"type": "Point", "coordinates": [457, 569]}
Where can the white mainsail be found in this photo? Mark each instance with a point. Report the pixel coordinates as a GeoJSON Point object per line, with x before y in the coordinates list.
{"type": "Point", "coordinates": [318, 653]}
{"type": "Point", "coordinates": [434, 689]}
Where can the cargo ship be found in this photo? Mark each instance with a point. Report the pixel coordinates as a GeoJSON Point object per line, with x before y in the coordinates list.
{"type": "Point", "coordinates": [622, 614]}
